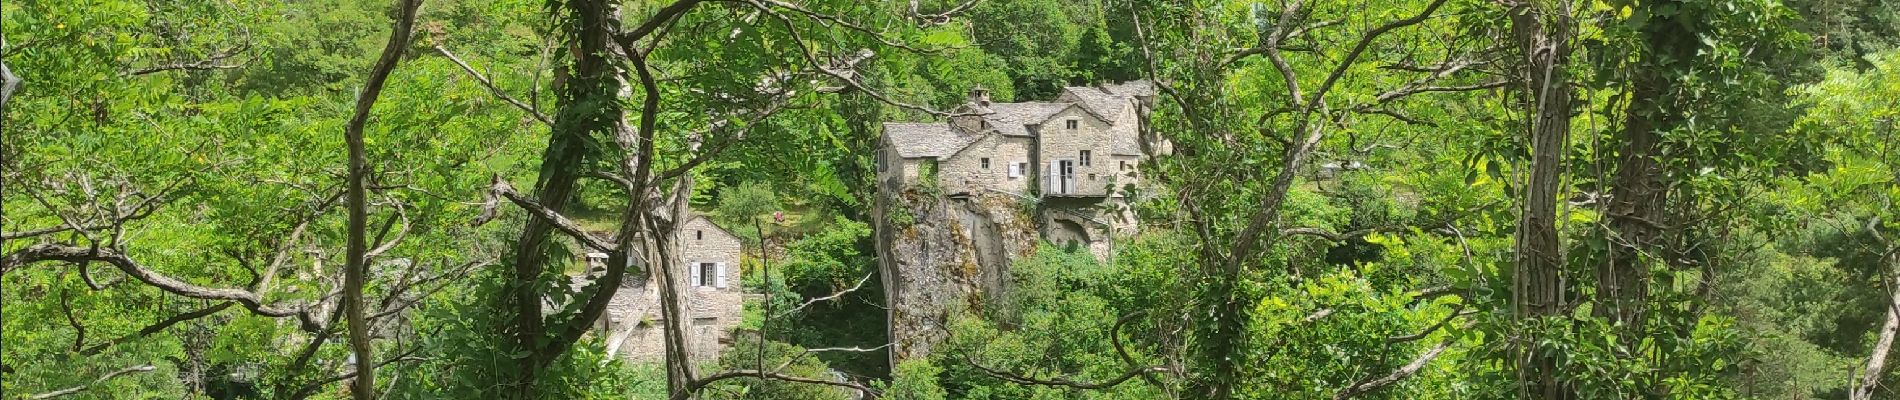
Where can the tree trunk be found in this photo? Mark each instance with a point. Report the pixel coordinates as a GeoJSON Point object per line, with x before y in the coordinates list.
{"type": "Point", "coordinates": [1641, 188]}
{"type": "Point", "coordinates": [1537, 282]}
{"type": "Point", "coordinates": [673, 290]}
{"type": "Point", "coordinates": [1877, 360]}
{"type": "Point", "coordinates": [588, 105]}
{"type": "Point", "coordinates": [356, 261]}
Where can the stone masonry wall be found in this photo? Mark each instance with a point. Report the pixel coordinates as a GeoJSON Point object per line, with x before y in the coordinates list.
{"type": "Point", "coordinates": [964, 171]}
{"type": "Point", "coordinates": [1061, 143]}
{"type": "Point", "coordinates": [633, 320]}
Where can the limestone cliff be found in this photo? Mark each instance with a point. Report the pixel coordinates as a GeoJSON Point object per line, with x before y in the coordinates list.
{"type": "Point", "coordinates": [941, 255]}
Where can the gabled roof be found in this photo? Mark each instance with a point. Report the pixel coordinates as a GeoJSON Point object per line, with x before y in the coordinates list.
{"type": "Point", "coordinates": [1013, 118]}
{"type": "Point", "coordinates": [1106, 105]}
{"type": "Point", "coordinates": [1067, 106]}
{"type": "Point", "coordinates": [1134, 88]}
{"type": "Point", "coordinates": [709, 222]}
{"type": "Point", "coordinates": [926, 139]}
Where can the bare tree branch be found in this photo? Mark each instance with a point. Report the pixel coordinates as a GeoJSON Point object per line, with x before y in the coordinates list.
{"type": "Point", "coordinates": [1063, 382]}
{"type": "Point", "coordinates": [211, 62]}
{"type": "Point", "coordinates": [700, 384]}
{"type": "Point", "coordinates": [82, 388]}
{"type": "Point", "coordinates": [250, 300]}
{"type": "Point", "coordinates": [1412, 368]}
{"type": "Point", "coordinates": [532, 112]}
{"type": "Point", "coordinates": [159, 327]}
{"type": "Point", "coordinates": [1428, 331]}
{"type": "Point", "coordinates": [8, 82]}
{"type": "Point", "coordinates": [833, 296]}
{"type": "Point", "coordinates": [502, 189]}
{"type": "Point", "coordinates": [932, 19]}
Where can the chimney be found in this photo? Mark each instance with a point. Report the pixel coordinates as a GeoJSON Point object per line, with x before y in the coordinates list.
{"type": "Point", "coordinates": [980, 96]}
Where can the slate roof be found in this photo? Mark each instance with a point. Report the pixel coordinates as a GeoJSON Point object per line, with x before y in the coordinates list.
{"type": "Point", "coordinates": [926, 139]}
{"type": "Point", "coordinates": [1012, 118]}
{"type": "Point", "coordinates": [942, 139]}
{"type": "Point", "coordinates": [1099, 101]}
{"type": "Point", "coordinates": [1131, 88]}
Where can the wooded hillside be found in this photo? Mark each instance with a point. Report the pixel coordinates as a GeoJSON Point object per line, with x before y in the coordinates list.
{"type": "Point", "coordinates": [1375, 199]}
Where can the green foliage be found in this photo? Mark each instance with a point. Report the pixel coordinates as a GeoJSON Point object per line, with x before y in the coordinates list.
{"type": "Point", "coordinates": [744, 354]}
{"type": "Point", "coordinates": [915, 380]}
{"type": "Point", "coordinates": [743, 204]}
{"type": "Point", "coordinates": [1778, 140]}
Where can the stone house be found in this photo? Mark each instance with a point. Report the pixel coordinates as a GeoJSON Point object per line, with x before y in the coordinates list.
{"type": "Point", "coordinates": [958, 200]}
{"type": "Point", "coordinates": [709, 256]}
{"type": "Point", "coordinates": [1073, 155]}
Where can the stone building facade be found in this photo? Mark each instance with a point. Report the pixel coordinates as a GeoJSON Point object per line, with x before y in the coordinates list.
{"type": "Point", "coordinates": [1074, 156]}
{"type": "Point", "coordinates": [709, 256]}
{"type": "Point", "coordinates": [959, 199]}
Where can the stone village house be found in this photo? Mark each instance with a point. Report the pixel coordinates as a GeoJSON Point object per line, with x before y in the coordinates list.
{"type": "Point", "coordinates": [710, 256]}
{"type": "Point", "coordinates": [1073, 155]}
{"type": "Point", "coordinates": [957, 200]}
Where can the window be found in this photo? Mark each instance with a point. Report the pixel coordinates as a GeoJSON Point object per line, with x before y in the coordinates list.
{"type": "Point", "coordinates": [1072, 123]}
{"type": "Point", "coordinates": [986, 163]}
{"type": "Point", "coordinates": [1015, 170]}
{"type": "Point", "coordinates": [699, 235]}
{"type": "Point", "coordinates": [1091, 177]}
{"type": "Point", "coordinates": [707, 273]}
{"type": "Point", "coordinates": [1084, 158]}
{"type": "Point", "coordinates": [1124, 164]}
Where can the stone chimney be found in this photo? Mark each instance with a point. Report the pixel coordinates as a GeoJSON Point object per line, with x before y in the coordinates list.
{"type": "Point", "coordinates": [980, 96]}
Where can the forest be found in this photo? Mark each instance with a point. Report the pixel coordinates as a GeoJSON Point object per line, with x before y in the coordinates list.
{"type": "Point", "coordinates": [395, 199]}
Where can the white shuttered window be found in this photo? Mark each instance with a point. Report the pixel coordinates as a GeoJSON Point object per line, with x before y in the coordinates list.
{"type": "Point", "coordinates": [719, 277]}
{"type": "Point", "coordinates": [693, 268]}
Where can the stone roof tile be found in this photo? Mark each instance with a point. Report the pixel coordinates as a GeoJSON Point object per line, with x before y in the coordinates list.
{"type": "Point", "coordinates": [1132, 88]}
{"type": "Point", "coordinates": [1099, 101]}
{"type": "Point", "coordinates": [926, 139]}
{"type": "Point", "coordinates": [1013, 118]}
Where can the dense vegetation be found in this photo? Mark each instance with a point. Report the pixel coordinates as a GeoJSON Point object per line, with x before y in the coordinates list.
{"type": "Point", "coordinates": [1681, 199]}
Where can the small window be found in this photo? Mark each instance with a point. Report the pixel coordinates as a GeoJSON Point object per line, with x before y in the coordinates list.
{"type": "Point", "coordinates": [1091, 177]}
{"type": "Point", "coordinates": [986, 163]}
{"type": "Point", "coordinates": [1084, 158]}
{"type": "Point", "coordinates": [699, 235]}
{"type": "Point", "coordinates": [1072, 123]}
{"type": "Point", "coordinates": [707, 273]}
{"type": "Point", "coordinates": [1124, 165]}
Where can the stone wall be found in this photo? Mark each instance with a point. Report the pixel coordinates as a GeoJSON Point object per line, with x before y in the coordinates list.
{"type": "Point", "coordinates": [633, 322]}
{"type": "Point", "coordinates": [1059, 143]}
{"type": "Point", "coordinates": [964, 172]}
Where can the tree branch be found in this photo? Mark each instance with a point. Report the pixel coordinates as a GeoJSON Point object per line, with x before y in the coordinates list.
{"type": "Point", "coordinates": [833, 296]}
{"type": "Point", "coordinates": [357, 253]}
{"type": "Point", "coordinates": [700, 384]}
{"type": "Point", "coordinates": [502, 189]}
{"type": "Point", "coordinates": [82, 388]}
{"type": "Point", "coordinates": [1063, 382]}
{"type": "Point", "coordinates": [159, 327]}
{"type": "Point", "coordinates": [56, 252]}
{"type": "Point", "coordinates": [532, 112]}
{"type": "Point", "coordinates": [1412, 368]}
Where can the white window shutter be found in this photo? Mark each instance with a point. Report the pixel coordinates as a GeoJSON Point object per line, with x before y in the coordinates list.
{"type": "Point", "coordinates": [1049, 184]}
{"type": "Point", "coordinates": [1015, 170]}
{"type": "Point", "coordinates": [694, 267]}
{"type": "Point", "coordinates": [719, 277]}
